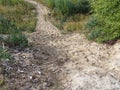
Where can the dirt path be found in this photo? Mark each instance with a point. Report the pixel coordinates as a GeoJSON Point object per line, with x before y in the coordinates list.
{"type": "Point", "coordinates": [64, 62]}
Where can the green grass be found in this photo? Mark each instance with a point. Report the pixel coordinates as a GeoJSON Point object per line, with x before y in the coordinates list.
{"type": "Point", "coordinates": [21, 13]}
{"type": "Point", "coordinates": [17, 39]}
{"type": "Point", "coordinates": [4, 53]}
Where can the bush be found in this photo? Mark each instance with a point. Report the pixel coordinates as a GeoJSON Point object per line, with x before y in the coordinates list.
{"type": "Point", "coordinates": [19, 40]}
{"type": "Point", "coordinates": [104, 25]}
{"type": "Point", "coordinates": [10, 2]}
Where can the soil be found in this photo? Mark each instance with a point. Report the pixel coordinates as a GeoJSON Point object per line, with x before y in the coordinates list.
{"type": "Point", "coordinates": [62, 62]}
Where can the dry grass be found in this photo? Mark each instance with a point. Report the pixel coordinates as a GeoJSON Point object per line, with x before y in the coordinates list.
{"type": "Point", "coordinates": [71, 24]}
{"type": "Point", "coordinates": [22, 14]}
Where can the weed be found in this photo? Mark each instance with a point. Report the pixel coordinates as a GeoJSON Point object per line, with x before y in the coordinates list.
{"type": "Point", "coordinates": [3, 53]}
{"type": "Point", "coordinates": [19, 40]}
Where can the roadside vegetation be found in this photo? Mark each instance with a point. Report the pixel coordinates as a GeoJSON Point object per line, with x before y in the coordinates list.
{"type": "Point", "coordinates": [68, 15]}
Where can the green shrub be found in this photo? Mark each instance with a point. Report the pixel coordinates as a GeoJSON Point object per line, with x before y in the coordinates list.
{"type": "Point", "coordinates": [105, 24]}
{"type": "Point", "coordinates": [63, 7]}
{"type": "Point", "coordinates": [19, 40]}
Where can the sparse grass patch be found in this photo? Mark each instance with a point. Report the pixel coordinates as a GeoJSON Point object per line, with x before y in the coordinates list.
{"type": "Point", "coordinates": [75, 23]}
{"type": "Point", "coordinates": [23, 14]}
{"type": "Point", "coordinates": [73, 26]}
{"type": "Point", "coordinates": [3, 53]}
{"type": "Point", "coordinates": [18, 39]}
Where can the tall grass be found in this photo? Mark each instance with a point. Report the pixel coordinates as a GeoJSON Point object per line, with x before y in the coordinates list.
{"type": "Point", "coordinates": [69, 7]}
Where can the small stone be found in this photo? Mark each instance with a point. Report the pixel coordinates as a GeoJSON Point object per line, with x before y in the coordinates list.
{"type": "Point", "coordinates": [39, 72]}
{"type": "Point", "coordinates": [24, 57]}
{"type": "Point", "coordinates": [30, 77]}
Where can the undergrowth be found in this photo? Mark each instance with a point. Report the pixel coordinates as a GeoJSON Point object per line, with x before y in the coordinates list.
{"type": "Point", "coordinates": [104, 25]}
{"type": "Point", "coordinates": [68, 15]}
